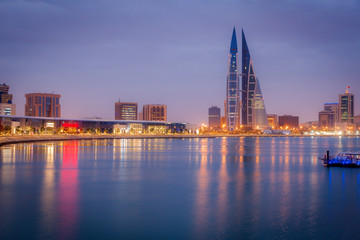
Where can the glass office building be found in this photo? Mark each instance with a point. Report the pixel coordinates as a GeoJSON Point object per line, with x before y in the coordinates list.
{"type": "Point", "coordinates": [232, 102]}
{"type": "Point", "coordinates": [346, 102]}
{"type": "Point", "coordinates": [253, 107]}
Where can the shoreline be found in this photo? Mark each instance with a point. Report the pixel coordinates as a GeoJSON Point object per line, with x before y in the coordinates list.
{"type": "Point", "coordinates": [5, 140]}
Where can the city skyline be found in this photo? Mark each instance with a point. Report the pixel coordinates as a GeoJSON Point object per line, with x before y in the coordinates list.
{"type": "Point", "coordinates": [145, 53]}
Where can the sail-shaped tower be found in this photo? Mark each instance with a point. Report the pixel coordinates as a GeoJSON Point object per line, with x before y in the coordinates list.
{"type": "Point", "coordinates": [232, 102]}
{"type": "Point", "coordinates": [260, 120]}
{"type": "Point", "coordinates": [253, 107]}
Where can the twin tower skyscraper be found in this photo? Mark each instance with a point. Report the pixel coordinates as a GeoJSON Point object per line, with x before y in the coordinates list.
{"type": "Point", "coordinates": [249, 110]}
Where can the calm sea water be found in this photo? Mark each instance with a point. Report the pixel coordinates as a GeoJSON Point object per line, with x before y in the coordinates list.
{"type": "Point", "coordinates": [218, 188]}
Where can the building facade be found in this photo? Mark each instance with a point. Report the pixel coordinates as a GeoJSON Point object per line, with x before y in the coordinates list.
{"type": "Point", "coordinates": [333, 107]}
{"type": "Point", "coordinates": [126, 111]}
{"type": "Point", "coordinates": [43, 105]}
{"type": "Point", "coordinates": [253, 112]}
{"type": "Point", "coordinates": [6, 105]}
{"type": "Point", "coordinates": [357, 122]}
{"type": "Point", "coordinates": [273, 121]}
{"type": "Point", "coordinates": [141, 115]}
{"type": "Point", "coordinates": [155, 112]}
{"type": "Point", "coordinates": [232, 102]}
{"type": "Point", "coordinates": [60, 125]}
{"type": "Point", "coordinates": [357, 119]}
{"type": "Point", "coordinates": [288, 122]}
{"type": "Point", "coordinates": [310, 125]}
{"type": "Point", "coordinates": [214, 117]}
{"type": "Point", "coordinates": [7, 109]}
{"type": "Point", "coordinates": [5, 97]}
{"type": "Point", "coordinates": [327, 119]}
{"type": "Point", "coordinates": [346, 104]}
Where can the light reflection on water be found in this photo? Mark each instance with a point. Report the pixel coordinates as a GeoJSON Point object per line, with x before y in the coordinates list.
{"type": "Point", "coordinates": [178, 188]}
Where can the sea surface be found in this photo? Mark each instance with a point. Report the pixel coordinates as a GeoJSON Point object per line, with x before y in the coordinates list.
{"type": "Point", "coordinates": [211, 188]}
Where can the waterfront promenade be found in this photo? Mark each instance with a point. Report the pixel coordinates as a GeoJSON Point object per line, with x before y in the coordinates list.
{"type": "Point", "coordinates": [10, 139]}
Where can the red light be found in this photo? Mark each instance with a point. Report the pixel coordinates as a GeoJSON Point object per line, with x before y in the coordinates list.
{"type": "Point", "coordinates": [70, 125]}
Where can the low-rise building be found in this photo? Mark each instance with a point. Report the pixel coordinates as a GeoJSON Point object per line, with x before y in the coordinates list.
{"type": "Point", "coordinates": [289, 122]}
{"type": "Point", "coordinates": [70, 125]}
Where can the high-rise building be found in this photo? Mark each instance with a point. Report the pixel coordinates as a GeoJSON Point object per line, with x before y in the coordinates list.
{"type": "Point", "coordinates": [253, 108]}
{"type": "Point", "coordinates": [214, 117]}
{"type": "Point", "coordinates": [288, 121]}
{"type": "Point", "coordinates": [329, 116]}
{"type": "Point", "coordinates": [5, 97]}
{"type": "Point", "coordinates": [327, 119]}
{"type": "Point", "coordinates": [334, 107]}
{"type": "Point", "coordinates": [6, 105]}
{"type": "Point", "coordinates": [232, 102]}
{"type": "Point", "coordinates": [126, 111]}
{"type": "Point", "coordinates": [155, 112]}
{"type": "Point", "coordinates": [43, 105]}
{"type": "Point", "coordinates": [346, 103]}
{"type": "Point", "coordinates": [273, 121]}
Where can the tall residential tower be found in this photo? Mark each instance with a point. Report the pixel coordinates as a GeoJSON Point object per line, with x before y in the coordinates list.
{"type": "Point", "coordinates": [232, 102]}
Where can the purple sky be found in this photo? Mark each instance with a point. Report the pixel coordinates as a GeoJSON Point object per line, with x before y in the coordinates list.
{"type": "Point", "coordinates": [175, 52]}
